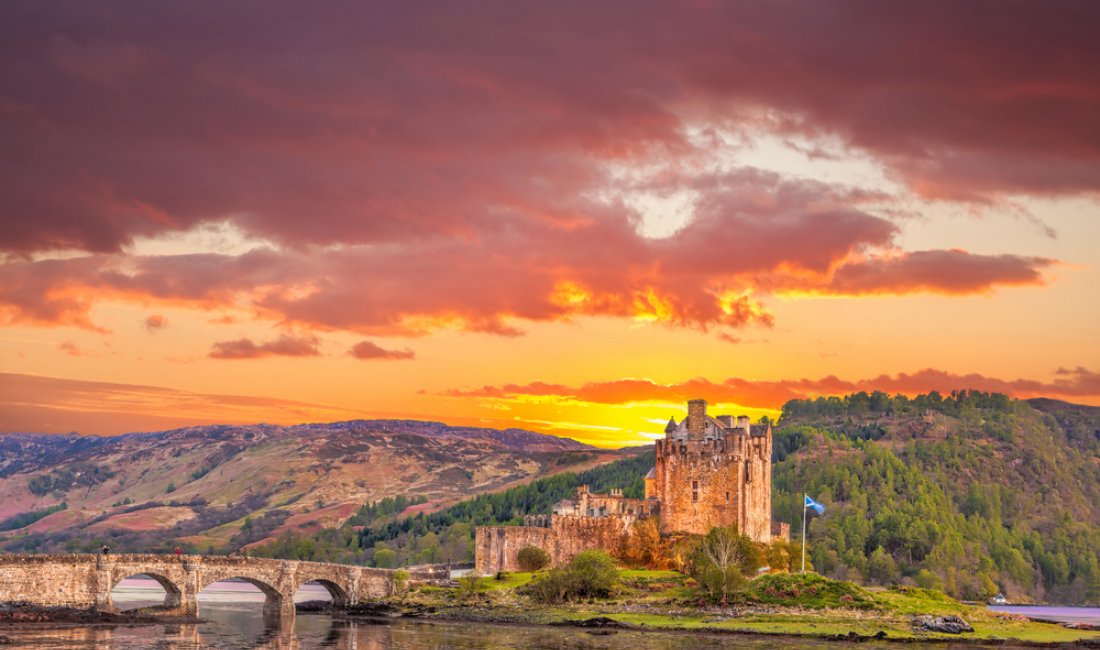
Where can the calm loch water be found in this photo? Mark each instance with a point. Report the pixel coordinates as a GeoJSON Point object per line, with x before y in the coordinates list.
{"type": "Point", "coordinates": [234, 613]}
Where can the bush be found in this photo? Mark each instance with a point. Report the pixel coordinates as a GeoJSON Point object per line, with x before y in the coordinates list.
{"type": "Point", "coordinates": [644, 546]}
{"type": "Point", "coordinates": [591, 574]}
{"type": "Point", "coordinates": [470, 584]}
{"type": "Point", "coordinates": [532, 558]}
{"type": "Point", "coordinates": [721, 560]}
{"type": "Point", "coordinates": [807, 590]}
{"type": "Point", "coordinates": [399, 582]}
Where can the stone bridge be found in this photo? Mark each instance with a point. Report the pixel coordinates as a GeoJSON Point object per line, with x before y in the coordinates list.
{"type": "Point", "coordinates": [85, 580]}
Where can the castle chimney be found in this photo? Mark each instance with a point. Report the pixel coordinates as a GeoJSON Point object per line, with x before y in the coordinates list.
{"type": "Point", "coordinates": [697, 417]}
{"type": "Point", "coordinates": [743, 423]}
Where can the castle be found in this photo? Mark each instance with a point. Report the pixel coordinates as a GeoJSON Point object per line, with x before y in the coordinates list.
{"type": "Point", "coordinates": [709, 471]}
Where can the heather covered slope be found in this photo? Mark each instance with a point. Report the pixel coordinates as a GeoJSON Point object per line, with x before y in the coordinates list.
{"type": "Point", "coordinates": [201, 485]}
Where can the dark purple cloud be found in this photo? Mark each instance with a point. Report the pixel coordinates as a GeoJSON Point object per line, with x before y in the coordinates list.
{"type": "Point", "coordinates": [359, 122]}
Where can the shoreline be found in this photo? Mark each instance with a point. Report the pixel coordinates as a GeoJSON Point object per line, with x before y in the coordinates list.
{"type": "Point", "coordinates": [606, 625]}
{"type": "Point", "coordinates": [19, 616]}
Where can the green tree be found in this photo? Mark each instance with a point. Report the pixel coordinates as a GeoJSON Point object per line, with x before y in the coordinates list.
{"type": "Point", "coordinates": [385, 558]}
{"type": "Point", "coordinates": [722, 559]}
{"type": "Point", "coordinates": [532, 558]}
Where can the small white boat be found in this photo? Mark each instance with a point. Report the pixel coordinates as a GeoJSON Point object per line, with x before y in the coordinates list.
{"type": "Point", "coordinates": [999, 599]}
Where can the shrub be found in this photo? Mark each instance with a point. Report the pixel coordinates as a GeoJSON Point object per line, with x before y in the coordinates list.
{"type": "Point", "coordinates": [591, 574]}
{"type": "Point", "coordinates": [532, 558]}
{"type": "Point", "coordinates": [807, 590]}
{"type": "Point", "coordinates": [595, 572]}
{"type": "Point", "coordinates": [721, 560]}
{"type": "Point", "coordinates": [399, 582]}
{"type": "Point", "coordinates": [470, 584]}
{"type": "Point", "coordinates": [644, 546]}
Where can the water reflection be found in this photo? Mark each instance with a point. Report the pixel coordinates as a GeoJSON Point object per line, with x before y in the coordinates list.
{"type": "Point", "coordinates": [324, 632]}
{"type": "Point", "coordinates": [234, 619]}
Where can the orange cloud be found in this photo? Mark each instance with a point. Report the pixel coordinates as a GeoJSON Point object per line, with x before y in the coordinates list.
{"type": "Point", "coordinates": [70, 348]}
{"type": "Point", "coordinates": [369, 350]}
{"type": "Point", "coordinates": [30, 403]}
{"type": "Point", "coordinates": [285, 346]}
{"type": "Point", "coordinates": [1078, 383]}
{"type": "Point", "coordinates": [716, 271]}
{"type": "Point", "coordinates": [156, 322]}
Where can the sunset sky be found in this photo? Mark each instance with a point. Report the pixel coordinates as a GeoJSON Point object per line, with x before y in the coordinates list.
{"type": "Point", "coordinates": [568, 217]}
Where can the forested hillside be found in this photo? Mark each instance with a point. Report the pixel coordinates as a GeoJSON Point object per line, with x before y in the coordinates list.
{"type": "Point", "coordinates": [973, 492]}
{"type": "Point", "coordinates": [447, 535]}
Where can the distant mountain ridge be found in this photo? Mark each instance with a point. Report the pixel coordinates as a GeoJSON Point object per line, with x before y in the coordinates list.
{"type": "Point", "coordinates": [204, 484]}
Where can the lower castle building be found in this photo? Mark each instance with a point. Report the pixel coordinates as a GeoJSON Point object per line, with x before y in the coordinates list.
{"type": "Point", "coordinates": [709, 471]}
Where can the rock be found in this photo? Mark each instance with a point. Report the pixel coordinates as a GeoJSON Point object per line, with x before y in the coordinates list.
{"type": "Point", "coordinates": [371, 608]}
{"type": "Point", "coordinates": [945, 624]}
{"type": "Point", "coordinates": [4, 640]}
{"type": "Point", "coordinates": [600, 622]}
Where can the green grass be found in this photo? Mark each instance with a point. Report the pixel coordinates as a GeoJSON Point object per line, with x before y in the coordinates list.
{"type": "Point", "coordinates": [913, 600]}
{"type": "Point", "coordinates": [510, 581]}
{"type": "Point", "coordinates": [649, 574]}
{"type": "Point", "coordinates": [807, 605]}
{"type": "Point", "coordinates": [808, 590]}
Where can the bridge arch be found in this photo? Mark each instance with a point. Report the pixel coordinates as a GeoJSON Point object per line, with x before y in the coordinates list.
{"type": "Point", "coordinates": [172, 592]}
{"type": "Point", "coordinates": [337, 592]}
{"type": "Point", "coordinates": [274, 600]}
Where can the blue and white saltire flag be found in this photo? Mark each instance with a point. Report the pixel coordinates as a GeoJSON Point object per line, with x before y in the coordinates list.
{"type": "Point", "coordinates": [810, 503]}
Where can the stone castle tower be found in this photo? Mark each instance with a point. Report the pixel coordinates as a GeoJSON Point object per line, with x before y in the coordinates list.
{"type": "Point", "coordinates": [714, 471]}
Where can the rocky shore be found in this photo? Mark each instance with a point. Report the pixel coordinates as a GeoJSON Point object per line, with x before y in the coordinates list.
{"type": "Point", "coordinates": [21, 613]}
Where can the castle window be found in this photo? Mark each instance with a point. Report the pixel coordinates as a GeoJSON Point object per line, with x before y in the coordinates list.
{"type": "Point", "coordinates": [694, 496]}
{"type": "Point", "coordinates": [695, 485]}
{"type": "Point", "coordinates": [748, 473]}
{"type": "Point", "coordinates": [727, 497]}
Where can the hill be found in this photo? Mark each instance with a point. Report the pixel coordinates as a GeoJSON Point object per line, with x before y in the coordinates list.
{"type": "Point", "coordinates": [972, 492]}
{"type": "Point", "coordinates": [225, 486]}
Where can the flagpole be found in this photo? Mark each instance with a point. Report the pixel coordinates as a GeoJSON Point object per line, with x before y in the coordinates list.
{"type": "Point", "coordinates": [804, 497]}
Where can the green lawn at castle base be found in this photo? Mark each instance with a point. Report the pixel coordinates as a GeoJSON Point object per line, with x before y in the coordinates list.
{"type": "Point", "coordinates": [913, 600]}
{"type": "Point", "coordinates": [837, 623]}
{"type": "Point", "coordinates": [782, 604]}
{"type": "Point", "coordinates": [650, 574]}
{"type": "Point", "coordinates": [510, 581]}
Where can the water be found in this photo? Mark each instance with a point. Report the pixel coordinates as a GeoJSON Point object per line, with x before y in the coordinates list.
{"type": "Point", "coordinates": [1058, 614]}
{"type": "Point", "coordinates": [234, 613]}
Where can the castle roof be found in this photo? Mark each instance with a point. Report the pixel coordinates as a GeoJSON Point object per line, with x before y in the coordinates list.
{"type": "Point", "coordinates": [671, 426]}
{"type": "Point", "coordinates": [652, 473]}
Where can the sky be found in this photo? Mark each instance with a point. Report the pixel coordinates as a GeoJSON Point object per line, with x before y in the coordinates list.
{"type": "Point", "coordinates": [568, 217]}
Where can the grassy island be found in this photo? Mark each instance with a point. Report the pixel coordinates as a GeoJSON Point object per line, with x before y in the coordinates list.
{"type": "Point", "coordinates": [782, 604]}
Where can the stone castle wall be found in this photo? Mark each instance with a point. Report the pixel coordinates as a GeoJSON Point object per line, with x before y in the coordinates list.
{"type": "Point", "coordinates": [497, 547]}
